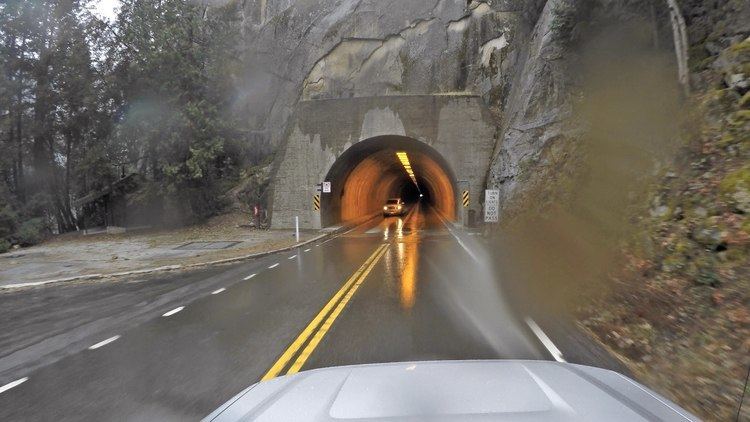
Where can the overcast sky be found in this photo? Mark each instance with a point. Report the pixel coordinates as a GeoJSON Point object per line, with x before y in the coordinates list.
{"type": "Point", "coordinates": [106, 8]}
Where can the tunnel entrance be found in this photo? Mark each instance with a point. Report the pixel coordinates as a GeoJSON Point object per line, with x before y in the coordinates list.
{"type": "Point", "coordinates": [371, 171]}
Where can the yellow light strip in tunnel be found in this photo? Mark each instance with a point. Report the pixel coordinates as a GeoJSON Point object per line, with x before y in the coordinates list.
{"type": "Point", "coordinates": [407, 166]}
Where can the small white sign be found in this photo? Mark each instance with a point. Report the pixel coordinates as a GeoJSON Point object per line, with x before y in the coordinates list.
{"type": "Point", "coordinates": [491, 205]}
{"type": "Point", "coordinates": [326, 187]}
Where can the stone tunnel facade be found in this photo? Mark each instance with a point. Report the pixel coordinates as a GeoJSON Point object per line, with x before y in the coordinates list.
{"type": "Point", "coordinates": [458, 127]}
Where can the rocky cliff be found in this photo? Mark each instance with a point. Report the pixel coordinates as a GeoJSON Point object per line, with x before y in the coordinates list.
{"type": "Point", "coordinates": [350, 48]}
{"type": "Point", "coordinates": [354, 48]}
{"type": "Point", "coordinates": [515, 54]}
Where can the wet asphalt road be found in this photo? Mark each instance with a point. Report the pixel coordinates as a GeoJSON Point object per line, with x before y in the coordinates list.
{"type": "Point", "coordinates": [420, 292]}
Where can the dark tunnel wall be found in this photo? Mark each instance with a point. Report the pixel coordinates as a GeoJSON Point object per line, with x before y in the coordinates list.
{"type": "Point", "coordinates": [369, 172]}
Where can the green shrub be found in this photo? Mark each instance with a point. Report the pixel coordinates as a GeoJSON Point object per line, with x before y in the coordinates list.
{"type": "Point", "coordinates": [30, 232]}
{"type": "Point", "coordinates": [8, 221]}
{"type": "Point", "coordinates": [37, 205]}
{"type": "Point", "coordinates": [737, 179]}
{"type": "Point", "coordinates": [4, 245]}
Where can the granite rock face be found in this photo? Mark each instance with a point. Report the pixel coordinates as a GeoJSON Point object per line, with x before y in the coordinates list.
{"type": "Point", "coordinates": [508, 52]}
{"type": "Point", "coordinates": [537, 105]}
{"type": "Point", "coordinates": [333, 49]}
{"type": "Point", "coordinates": [327, 49]}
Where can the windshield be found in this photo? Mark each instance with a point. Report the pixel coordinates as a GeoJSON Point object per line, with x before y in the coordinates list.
{"type": "Point", "coordinates": [199, 195]}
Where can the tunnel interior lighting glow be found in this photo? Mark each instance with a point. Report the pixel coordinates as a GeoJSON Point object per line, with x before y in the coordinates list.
{"type": "Point", "coordinates": [366, 176]}
{"type": "Point", "coordinates": [404, 159]}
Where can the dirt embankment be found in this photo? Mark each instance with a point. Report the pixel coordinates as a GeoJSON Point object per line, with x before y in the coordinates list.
{"type": "Point", "coordinates": [679, 311]}
{"type": "Point", "coordinates": [640, 225]}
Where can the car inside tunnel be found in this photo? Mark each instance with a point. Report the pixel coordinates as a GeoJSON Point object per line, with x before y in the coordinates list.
{"type": "Point", "coordinates": [370, 172]}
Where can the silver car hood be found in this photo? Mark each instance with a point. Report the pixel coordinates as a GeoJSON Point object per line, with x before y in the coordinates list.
{"type": "Point", "coordinates": [451, 391]}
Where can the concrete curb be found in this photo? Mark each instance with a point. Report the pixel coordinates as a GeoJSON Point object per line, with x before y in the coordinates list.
{"type": "Point", "coordinates": [169, 267]}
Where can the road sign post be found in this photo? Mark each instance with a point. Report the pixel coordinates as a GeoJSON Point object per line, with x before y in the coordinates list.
{"type": "Point", "coordinates": [326, 187]}
{"type": "Point", "coordinates": [491, 205]}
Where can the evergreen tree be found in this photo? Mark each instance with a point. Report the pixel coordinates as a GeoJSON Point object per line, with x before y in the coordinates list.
{"type": "Point", "coordinates": [83, 102]}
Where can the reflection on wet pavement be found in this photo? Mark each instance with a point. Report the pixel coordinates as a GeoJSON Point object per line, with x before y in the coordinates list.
{"type": "Point", "coordinates": [405, 308]}
{"type": "Point", "coordinates": [402, 258]}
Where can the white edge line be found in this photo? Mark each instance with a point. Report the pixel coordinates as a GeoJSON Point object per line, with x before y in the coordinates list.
{"type": "Point", "coordinates": [57, 280]}
{"type": "Point", "coordinates": [546, 342]}
{"type": "Point", "coordinates": [307, 250]}
{"type": "Point", "coordinates": [15, 383]}
{"type": "Point", "coordinates": [293, 256]}
{"type": "Point", "coordinates": [217, 291]}
{"type": "Point", "coordinates": [173, 311]}
{"type": "Point", "coordinates": [458, 239]}
{"type": "Point", "coordinates": [273, 266]}
{"type": "Point", "coordinates": [249, 277]}
{"type": "Point", "coordinates": [104, 342]}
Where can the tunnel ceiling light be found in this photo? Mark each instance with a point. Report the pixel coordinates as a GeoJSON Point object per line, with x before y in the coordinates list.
{"type": "Point", "coordinates": [404, 159]}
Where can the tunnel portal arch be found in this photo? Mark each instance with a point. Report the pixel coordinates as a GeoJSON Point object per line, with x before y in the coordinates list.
{"type": "Point", "coordinates": [369, 172]}
{"type": "Point", "coordinates": [453, 133]}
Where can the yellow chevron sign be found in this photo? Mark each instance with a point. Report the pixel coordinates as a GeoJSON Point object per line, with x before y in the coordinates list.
{"type": "Point", "coordinates": [465, 197]}
{"type": "Point", "coordinates": [316, 202]}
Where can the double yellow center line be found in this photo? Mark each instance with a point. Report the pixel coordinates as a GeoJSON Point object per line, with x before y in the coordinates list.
{"type": "Point", "coordinates": [315, 331]}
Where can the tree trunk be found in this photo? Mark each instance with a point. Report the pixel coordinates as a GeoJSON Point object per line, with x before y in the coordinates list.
{"type": "Point", "coordinates": [679, 33]}
{"type": "Point", "coordinates": [69, 137]}
{"type": "Point", "coordinates": [654, 25]}
{"type": "Point", "coordinates": [11, 144]}
{"type": "Point", "coordinates": [68, 147]}
{"type": "Point", "coordinates": [21, 188]}
{"type": "Point", "coordinates": [15, 118]}
{"type": "Point", "coordinates": [42, 147]}
{"type": "Point", "coordinates": [85, 177]}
